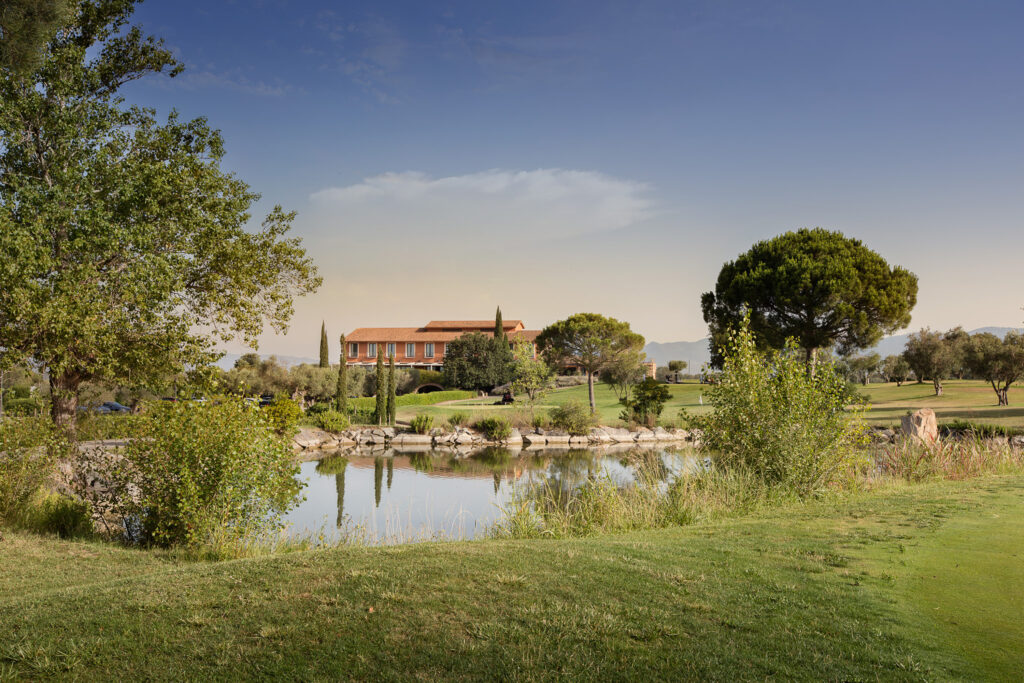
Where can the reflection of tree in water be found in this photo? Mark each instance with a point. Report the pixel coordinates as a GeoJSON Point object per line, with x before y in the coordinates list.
{"type": "Point", "coordinates": [378, 479]}
{"type": "Point", "coordinates": [336, 465]}
{"type": "Point", "coordinates": [391, 471]}
{"type": "Point", "coordinates": [497, 482]}
{"type": "Point", "coordinates": [421, 462]}
{"type": "Point", "coordinates": [648, 466]}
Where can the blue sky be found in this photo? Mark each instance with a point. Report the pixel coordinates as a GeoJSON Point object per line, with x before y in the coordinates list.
{"type": "Point", "coordinates": [554, 157]}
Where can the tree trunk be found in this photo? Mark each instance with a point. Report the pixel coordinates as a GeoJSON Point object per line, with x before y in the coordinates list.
{"type": "Point", "coordinates": [812, 360]}
{"type": "Point", "coordinates": [937, 383]}
{"type": "Point", "coordinates": [64, 400]}
{"type": "Point", "coordinates": [590, 392]}
{"type": "Point", "coordinates": [1004, 395]}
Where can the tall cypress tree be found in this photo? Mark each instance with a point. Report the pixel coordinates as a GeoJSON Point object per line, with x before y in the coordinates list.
{"type": "Point", "coordinates": [392, 384]}
{"type": "Point", "coordinates": [341, 390]}
{"type": "Point", "coordinates": [499, 327]}
{"type": "Point", "coordinates": [325, 358]}
{"type": "Point", "coordinates": [381, 409]}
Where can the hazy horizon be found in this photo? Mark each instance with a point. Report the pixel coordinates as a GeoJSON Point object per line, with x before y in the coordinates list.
{"type": "Point", "coordinates": [553, 158]}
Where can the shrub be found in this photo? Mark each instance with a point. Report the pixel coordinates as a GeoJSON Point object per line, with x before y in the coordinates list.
{"type": "Point", "coordinates": [61, 515]}
{"type": "Point", "coordinates": [645, 406]}
{"type": "Point", "coordinates": [15, 407]}
{"type": "Point", "coordinates": [458, 419]}
{"type": "Point", "coordinates": [771, 416]}
{"type": "Point", "coordinates": [573, 417]}
{"type": "Point", "coordinates": [422, 423]}
{"type": "Point", "coordinates": [319, 408]}
{"type": "Point", "coordinates": [332, 421]}
{"type": "Point", "coordinates": [29, 448]}
{"type": "Point", "coordinates": [541, 421]}
{"type": "Point", "coordinates": [92, 427]}
{"type": "Point", "coordinates": [203, 473]}
{"type": "Point", "coordinates": [415, 399]}
{"type": "Point", "coordinates": [283, 415]}
{"type": "Point", "coordinates": [495, 428]}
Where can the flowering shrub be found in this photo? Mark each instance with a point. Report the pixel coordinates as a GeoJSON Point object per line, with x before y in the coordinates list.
{"type": "Point", "coordinates": [773, 417]}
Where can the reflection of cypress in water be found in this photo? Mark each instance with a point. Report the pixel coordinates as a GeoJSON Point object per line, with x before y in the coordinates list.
{"type": "Point", "coordinates": [378, 478]}
{"type": "Point", "coordinates": [497, 482]}
{"type": "Point", "coordinates": [391, 471]}
{"type": "Point", "coordinates": [339, 484]}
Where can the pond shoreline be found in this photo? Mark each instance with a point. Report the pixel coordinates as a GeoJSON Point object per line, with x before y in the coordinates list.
{"type": "Point", "coordinates": [310, 440]}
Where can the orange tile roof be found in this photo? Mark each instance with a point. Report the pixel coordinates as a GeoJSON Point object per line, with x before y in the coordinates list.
{"type": "Point", "coordinates": [471, 324]}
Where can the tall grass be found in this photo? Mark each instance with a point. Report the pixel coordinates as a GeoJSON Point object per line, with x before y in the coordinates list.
{"type": "Point", "coordinates": [912, 460]}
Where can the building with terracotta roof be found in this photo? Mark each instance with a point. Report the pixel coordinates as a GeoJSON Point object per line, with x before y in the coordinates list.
{"type": "Point", "coordinates": [422, 347]}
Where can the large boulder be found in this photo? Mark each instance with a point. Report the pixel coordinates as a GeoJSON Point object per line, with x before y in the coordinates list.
{"type": "Point", "coordinates": [309, 438]}
{"type": "Point", "coordinates": [921, 426]}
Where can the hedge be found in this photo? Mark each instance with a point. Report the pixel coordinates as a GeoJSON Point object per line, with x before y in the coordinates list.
{"type": "Point", "coordinates": [367, 403]}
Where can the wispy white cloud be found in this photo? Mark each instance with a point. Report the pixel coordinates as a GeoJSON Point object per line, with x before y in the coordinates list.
{"type": "Point", "coordinates": [229, 80]}
{"type": "Point", "coordinates": [498, 204]}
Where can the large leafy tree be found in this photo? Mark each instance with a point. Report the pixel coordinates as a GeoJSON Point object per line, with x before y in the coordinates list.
{"type": "Point", "coordinates": [818, 287]}
{"type": "Point", "coordinates": [588, 341]}
{"type": "Point", "coordinates": [124, 254]}
{"type": "Point", "coordinates": [475, 361]}
{"type": "Point", "coordinates": [1000, 362]}
{"type": "Point", "coordinates": [933, 355]}
{"type": "Point", "coordinates": [25, 28]}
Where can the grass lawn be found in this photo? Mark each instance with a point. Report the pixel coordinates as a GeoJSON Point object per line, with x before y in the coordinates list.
{"type": "Point", "coordinates": [683, 396]}
{"type": "Point", "coordinates": [911, 583]}
{"type": "Point", "coordinates": [961, 400]}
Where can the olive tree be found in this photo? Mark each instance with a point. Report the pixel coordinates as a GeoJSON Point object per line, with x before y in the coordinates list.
{"type": "Point", "coordinates": [932, 356]}
{"type": "Point", "coordinates": [819, 287]}
{"type": "Point", "coordinates": [124, 249]}
{"type": "Point", "coordinates": [588, 341]}
{"type": "Point", "coordinates": [896, 369]}
{"type": "Point", "coordinates": [1000, 362]}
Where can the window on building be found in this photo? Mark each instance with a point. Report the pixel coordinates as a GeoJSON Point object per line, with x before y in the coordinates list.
{"type": "Point", "coordinates": [353, 350]}
{"type": "Point", "coordinates": [371, 349]}
{"type": "Point", "coordinates": [410, 350]}
{"type": "Point", "coordinates": [428, 350]}
{"type": "Point", "coordinates": [444, 349]}
{"type": "Point", "coordinates": [391, 349]}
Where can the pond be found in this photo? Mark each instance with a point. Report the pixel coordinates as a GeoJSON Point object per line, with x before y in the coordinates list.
{"type": "Point", "coordinates": [392, 497]}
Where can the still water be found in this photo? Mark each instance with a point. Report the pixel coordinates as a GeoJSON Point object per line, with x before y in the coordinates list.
{"type": "Point", "coordinates": [393, 497]}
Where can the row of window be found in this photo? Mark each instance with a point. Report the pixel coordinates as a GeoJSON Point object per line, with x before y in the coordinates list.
{"type": "Point", "coordinates": [410, 350]}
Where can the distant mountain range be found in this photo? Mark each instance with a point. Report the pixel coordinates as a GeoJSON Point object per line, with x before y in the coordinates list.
{"type": "Point", "coordinates": [696, 353]}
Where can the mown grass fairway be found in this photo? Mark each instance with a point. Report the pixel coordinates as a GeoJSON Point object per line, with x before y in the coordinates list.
{"type": "Point", "coordinates": [683, 396]}
{"type": "Point", "coordinates": [911, 583]}
{"type": "Point", "coordinates": [971, 400]}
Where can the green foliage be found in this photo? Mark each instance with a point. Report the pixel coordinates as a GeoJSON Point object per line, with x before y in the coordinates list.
{"type": "Point", "coordinates": [896, 369]}
{"type": "Point", "coordinates": [933, 355]}
{"type": "Point", "coordinates": [214, 472]}
{"type": "Point", "coordinates": [476, 361]}
{"type": "Point", "coordinates": [380, 412]}
{"type": "Point", "coordinates": [818, 287]}
{"type": "Point", "coordinates": [773, 418]}
{"type": "Point", "coordinates": [1000, 362]}
{"type": "Point", "coordinates": [325, 353]}
{"type": "Point", "coordinates": [367, 404]}
{"type": "Point", "coordinates": [458, 419]}
{"type": "Point", "coordinates": [430, 377]}
{"type": "Point", "coordinates": [318, 408]}
{"type": "Point", "coordinates": [677, 365]}
{"type": "Point", "coordinates": [341, 388]}
{"type": "Point", "coordinates": [392, 389]}
{"type": "Point", "coordinates": [532, 377]}
{"type": "Point", "coordinates": [422, 423]}
{"type": "Point", "coordinates": [102, 427]}
{"type": "Point", "coordinates": [573, 417]}
{"type": "Point", "coordinates": [25, 28]}
{"type": "Point", "coordinates": [332, 421]}
{"type": "Point", "coordinates": [622, 373]}
{"type": "Point", "coordinates": [588, 341]}
{"type": "Point", "coordinates": [125, 251]}
{"type": "Point", "coordinates": [29, 447]}
{"type": "Point", "coordinates": [61, 515]}
{"type": "Point", "coordinates": [645, 405]}
{"type": "Point", "coordinates": [23, 406]}
{"type": "Point", "coordinates": [495, 428]}
{"type": "Point", "coordinates": [283, 415]}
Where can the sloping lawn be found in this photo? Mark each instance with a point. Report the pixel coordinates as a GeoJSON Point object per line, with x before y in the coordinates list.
{"type": "Point", "coordinates": [907, 583]}
{"type": "Point", "coordinates": [971, 400]}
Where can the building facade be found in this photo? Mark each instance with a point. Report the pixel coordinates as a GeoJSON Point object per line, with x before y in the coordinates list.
{"type": "Point", "coordinates": [422, 347]}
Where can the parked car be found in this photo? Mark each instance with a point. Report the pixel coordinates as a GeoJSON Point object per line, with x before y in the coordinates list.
{"type": "Point", "coordinates": [115, 407]}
